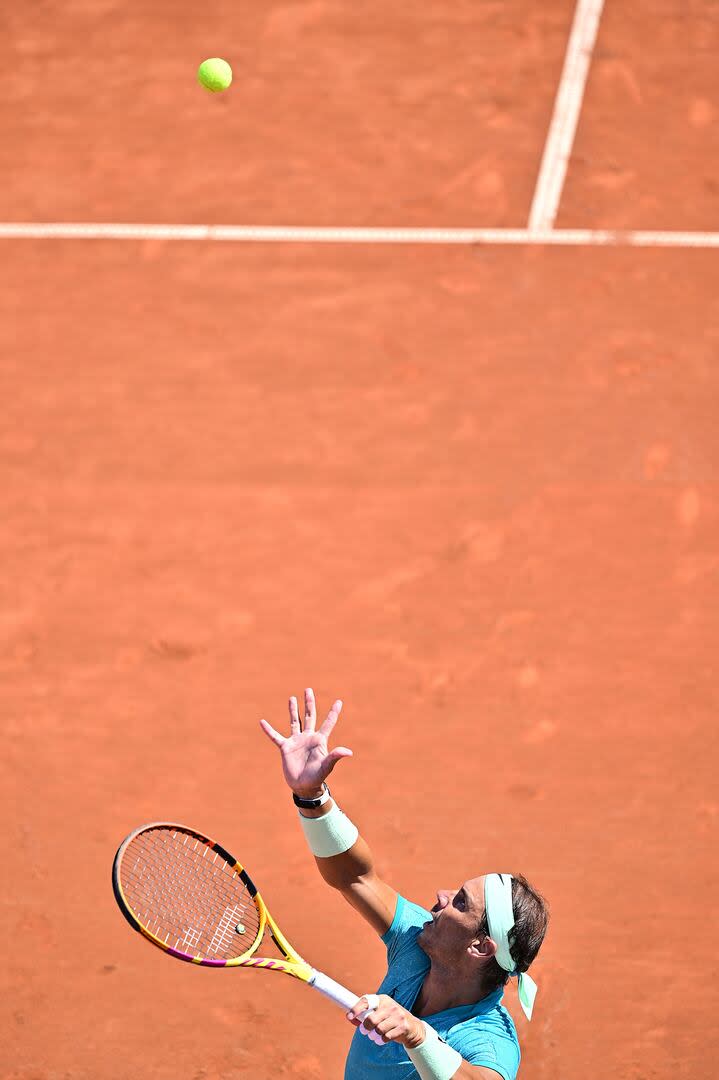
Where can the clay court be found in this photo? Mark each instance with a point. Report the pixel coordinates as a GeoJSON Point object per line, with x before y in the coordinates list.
{"type": "Point", "coordinates": [471, 489]}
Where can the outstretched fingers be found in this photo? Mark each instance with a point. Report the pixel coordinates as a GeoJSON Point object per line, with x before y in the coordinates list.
{"type": "Point", "coordinates": [310, 710]}
{"type": "Point", "coordinates": [270, 732]}
{"type": "Point", "coordinates": [295, 725]}
{"type": "Point", "coordinates": [332, 717]}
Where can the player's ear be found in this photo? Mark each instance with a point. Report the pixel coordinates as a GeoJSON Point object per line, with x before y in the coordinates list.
{"type": "Point", "coordinates": [483, 947]}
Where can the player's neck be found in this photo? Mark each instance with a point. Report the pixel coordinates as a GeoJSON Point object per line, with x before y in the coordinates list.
{"type": "Point", "coordinates": [443, 989]}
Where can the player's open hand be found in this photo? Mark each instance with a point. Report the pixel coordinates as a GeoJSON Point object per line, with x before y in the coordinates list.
{"type": "Point", "coordinates": [306, 761]}
{"type": "Point", "coordinates": [388, 1020]}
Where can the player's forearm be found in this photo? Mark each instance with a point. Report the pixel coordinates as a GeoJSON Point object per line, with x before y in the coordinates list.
{"type": "Point", "coordinates": [340, 871]}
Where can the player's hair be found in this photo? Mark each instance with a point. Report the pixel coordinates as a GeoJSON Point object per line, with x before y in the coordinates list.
{"type": "Point", "coordinates": [531, 915]}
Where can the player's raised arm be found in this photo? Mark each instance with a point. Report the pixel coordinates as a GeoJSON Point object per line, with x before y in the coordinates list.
{"type": "Point", "coordinates": [343, 857]}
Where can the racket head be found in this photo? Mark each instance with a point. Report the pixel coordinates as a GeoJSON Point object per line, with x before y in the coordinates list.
{"type": "Point", "coordinates": [188, 895]}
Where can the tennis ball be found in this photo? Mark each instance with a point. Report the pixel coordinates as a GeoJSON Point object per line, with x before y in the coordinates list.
{"type": "Point", "coordinates": [214, 74]}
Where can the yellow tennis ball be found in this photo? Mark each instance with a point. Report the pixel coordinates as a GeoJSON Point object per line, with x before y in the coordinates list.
{"type": "Point", "coordinates": [214, 74]}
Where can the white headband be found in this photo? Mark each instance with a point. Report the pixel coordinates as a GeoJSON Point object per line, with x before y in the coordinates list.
{"type": "Point", "coordinates": [500, 919]}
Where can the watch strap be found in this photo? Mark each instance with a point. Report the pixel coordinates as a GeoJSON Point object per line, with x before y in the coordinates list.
{"type": "Point", "coordinates": [311, 804]}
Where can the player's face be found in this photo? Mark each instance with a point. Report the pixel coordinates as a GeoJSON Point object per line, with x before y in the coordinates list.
{"type": "Point", "coordinates": [455, 918]}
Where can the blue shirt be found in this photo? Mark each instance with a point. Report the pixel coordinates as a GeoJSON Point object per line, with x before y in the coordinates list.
{"type": "Point", "coordinates": [483, 1033]}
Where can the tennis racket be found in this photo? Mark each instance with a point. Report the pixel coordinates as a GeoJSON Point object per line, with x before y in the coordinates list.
{"type": "Point", "coordinates": [186, 894]}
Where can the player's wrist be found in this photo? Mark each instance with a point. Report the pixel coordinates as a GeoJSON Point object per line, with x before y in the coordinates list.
{"type": "Point", "coordinates": [308, 792]}
{"type": "Point", "coordinates": [317, 793]}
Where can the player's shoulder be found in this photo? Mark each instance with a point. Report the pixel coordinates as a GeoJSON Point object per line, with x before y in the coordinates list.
{"type": "Point", "coordinates": [413, 914]}
{"type": "Point", "coordinates": [408, 917]}
{"type": "Point", "coordinates": [401, 936]}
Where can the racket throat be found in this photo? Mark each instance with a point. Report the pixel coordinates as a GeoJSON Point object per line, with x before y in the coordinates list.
{"type": "Point", "coordinates": [284, 946]}
{"type": "Point", "coordinates": [332, 990]}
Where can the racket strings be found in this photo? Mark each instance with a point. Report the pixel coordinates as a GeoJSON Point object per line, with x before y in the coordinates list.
{"type": "Point", "coordinates": [187, 895]}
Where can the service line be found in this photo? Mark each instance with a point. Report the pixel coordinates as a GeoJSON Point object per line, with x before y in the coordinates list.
{"type": "Point", "coordinates": [565, 117]}
{"type": "Point", "coordinates": [313, 234]}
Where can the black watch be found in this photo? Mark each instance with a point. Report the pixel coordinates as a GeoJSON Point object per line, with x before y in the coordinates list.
{"type": "Point", "coordinates": [311, 804]}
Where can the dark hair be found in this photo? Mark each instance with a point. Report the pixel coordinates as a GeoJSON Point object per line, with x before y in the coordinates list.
{"type": "Point", "coordinates": [531, 915]}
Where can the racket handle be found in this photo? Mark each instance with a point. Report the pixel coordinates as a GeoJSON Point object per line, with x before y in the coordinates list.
{"type": "Point", "coordinates": [333, 990]}
{"type": "Point", "coordinates": [342, 997]}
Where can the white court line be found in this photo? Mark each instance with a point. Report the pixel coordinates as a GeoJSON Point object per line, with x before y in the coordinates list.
{"type": "Point", "coordinates": [330, 235]}
{"type": "Point", "coordinates": [567, 106]}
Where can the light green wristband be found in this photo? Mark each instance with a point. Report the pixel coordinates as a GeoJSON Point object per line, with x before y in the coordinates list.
{"type": "Point", "coordinates": [330, 834]}
{"type": "Point", "coordinates": [434, 1059]}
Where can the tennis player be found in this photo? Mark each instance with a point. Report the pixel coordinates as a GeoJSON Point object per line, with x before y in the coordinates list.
{"type": "Point", "coordinates": [437, 1012]}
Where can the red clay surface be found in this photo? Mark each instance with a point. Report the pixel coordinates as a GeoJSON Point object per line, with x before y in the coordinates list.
{"type": "Point", "coordinates": [470, 491]}
{"type": "Point", "coordinates": [647, 147]}
{"type": "Point", "coordinates": [339, 114]}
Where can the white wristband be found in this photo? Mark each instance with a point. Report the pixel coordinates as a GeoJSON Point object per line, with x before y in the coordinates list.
{"type": "Point", "coordinates": [434, 1059]}
{"type": "Point", "coordinates": [329, 835]}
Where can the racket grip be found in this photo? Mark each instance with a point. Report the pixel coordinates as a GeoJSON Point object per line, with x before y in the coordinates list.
{"type": "Point", "coordinates": [333, 990]}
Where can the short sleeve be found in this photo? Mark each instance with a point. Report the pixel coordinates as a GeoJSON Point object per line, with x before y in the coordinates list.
{"type": "Point", "coordinates": [408, 920]}
{"type": "Point", "coordinates": [479, 1048]}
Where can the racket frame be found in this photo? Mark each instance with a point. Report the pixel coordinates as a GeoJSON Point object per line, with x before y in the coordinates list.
{"type": "Point", "coordinates": [292, 964]}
